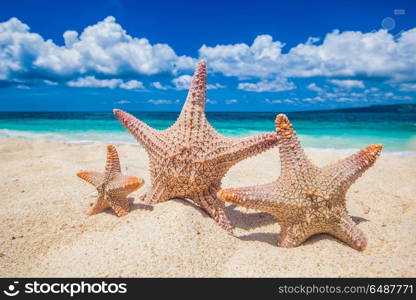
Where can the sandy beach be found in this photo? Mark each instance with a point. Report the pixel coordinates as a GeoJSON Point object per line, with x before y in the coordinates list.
{"type": "Point", "coordinates": [44, 231]}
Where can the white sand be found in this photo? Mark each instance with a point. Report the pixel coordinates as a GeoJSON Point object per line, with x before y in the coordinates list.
{"type": "Point", "coordinates": [44, 230]}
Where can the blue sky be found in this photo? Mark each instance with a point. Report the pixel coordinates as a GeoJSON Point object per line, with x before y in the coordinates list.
{"type": "Point", "coordinates": [261, 55]}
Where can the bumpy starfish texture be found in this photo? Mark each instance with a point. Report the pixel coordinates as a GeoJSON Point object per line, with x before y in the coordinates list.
{"type": "Point", "coordinates": [189, 159]}
{"type": "Point", "coordinates": [112, 186]}
{"type": "Point", "coordinates": [305, 199]}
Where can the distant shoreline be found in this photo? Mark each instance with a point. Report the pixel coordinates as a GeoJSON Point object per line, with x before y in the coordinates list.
{"type": "Point", "coordinates": [403, 153]}
{"type": "Point", "coordinates": [392, 126]}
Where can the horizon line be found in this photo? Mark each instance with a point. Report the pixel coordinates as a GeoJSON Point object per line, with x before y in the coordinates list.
{"type": "Point", "coordinates": [219, 111]}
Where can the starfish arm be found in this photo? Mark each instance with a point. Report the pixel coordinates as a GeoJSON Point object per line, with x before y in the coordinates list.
{"type": "Point", "coordinates": [260, 197]}
{"type": "Point", "coordinates": [93, 178]}
{"type": "Point", "coordinates": [347, 231]}
{"type": "Point", "coordinates": [125, 185]}
{"type": "Point", "coordinates": [120, 204]}
{"type": "Point", "coordinates": [345, 172]}
{"type": "Point", "coordinates": [98, 207]}
{"type": "Point", "coordinates": [112, 166]}
{"type": "Point", "coordinates": [157, 192]}
{"type": "Point", "coordinates": [195, 101]}
{"type": "Point", "coordinates": [216, 209]}
{"type": "Point", "coordinates": [293, 158]}
{"type": "Point", "coordinates": [242, 148]}
{"type": "Point", "coordinates": [153, 196]}
{"type": "Point", "coordinates": [143, 133]}
{"type": "Point", "coordinates": [118, 191]}
{"type": "Point", "coordinates": [291, 235]}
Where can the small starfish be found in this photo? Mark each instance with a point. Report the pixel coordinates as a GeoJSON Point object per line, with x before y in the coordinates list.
{"type": "Point", "coordinates": [189, 159]}
{"type": "Point", "coordinates": [112, 187]}
{"type": "Point", "coordinates": [305, 199]}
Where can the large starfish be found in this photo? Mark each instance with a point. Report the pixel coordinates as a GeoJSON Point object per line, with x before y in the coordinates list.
{"type": "Point", "coordinates": [305, 199]}
{"type": "Point", "coordinates": [112, 187]}
{"type": "Point", "coordinates": [189, 159]}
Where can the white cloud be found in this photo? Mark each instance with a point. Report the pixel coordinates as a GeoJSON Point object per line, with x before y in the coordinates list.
{"type": "Point", "coordinates": [258, 60]}
{"type": "Point", "coordinates": [209, 101]}
{"type": "Point", "coordinates": [91, 81]}
{"type": "Point", "coordinates": [314, 87]}
{"type": "Point", "coordinates": [50, 82]}
{"type": "Point", "coordinates": [103, 48]}
{"type": "Point", "coordinates": [352, 53]}
{"type": "Point", "coordinates": [334, 94]}
{"type": "Point", "coordinates": [348, 83]}
{"type": "Point", "coordinates": [106, 50]}
{"type": "Point", "coordinates": [231, 101]}
{"type": "Point", "coordinates": [70, 38]}
{"type": "Point", "coordinates": [408, 87]}
{"type": "Point", "coordinates": [215, 86]}
{"type": "Point", "coordinates": [158, 85]}
{"type": "Point", "coordinates": [122, 102]}
{"type": "Point", "coordinates": [131, 85]}
{"type": "Point", "coordinates": [313, 99]}
{"type": "Point", "coordinates": [370, 95]}
{"type": "Point", "coordinates": [372, 90]}
{"type": "Point", "coordinates": [343, 54]}
{"type": "Point", "coordinates": [279, 101]}
{"type": "Point", "coordinates": [277, 85]}
{"type": "Point", "coordinates": [182, 82]}
{"type": "Point", "coordinates": [162, 101]}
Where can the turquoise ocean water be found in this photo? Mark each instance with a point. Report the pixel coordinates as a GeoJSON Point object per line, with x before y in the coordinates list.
{"type": "Point", "coordinates": [323, 130]}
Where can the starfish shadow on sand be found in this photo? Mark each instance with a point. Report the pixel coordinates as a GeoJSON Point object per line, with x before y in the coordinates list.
{"type": "Point", "coordinates": [358, 220]}
{"type": "Point", "coordinates": [271, 237]}
{"type": "Point", "coordinates": [133, 206]}
{"type": "Point", "coordinates": [140, 206]}
{"type": "Point", "coordinates": [189, 202]}
{"type": "Point", "coordinates": [265, 237]}
{"type": "Point", "coordinates": [247, 221]}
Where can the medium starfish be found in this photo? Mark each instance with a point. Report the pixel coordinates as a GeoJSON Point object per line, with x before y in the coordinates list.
{"type": "Point", "coordinates": [112, 187]}
{"type": "Point", "coordinates": [305, 199]}
{"type": "Point", "coordinates": [189, 159]}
